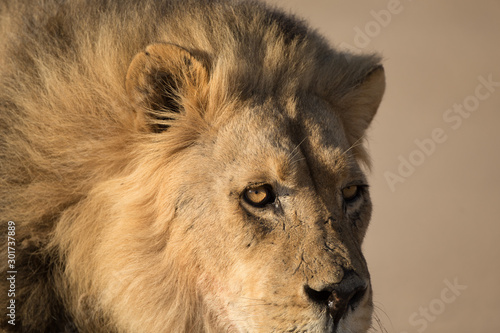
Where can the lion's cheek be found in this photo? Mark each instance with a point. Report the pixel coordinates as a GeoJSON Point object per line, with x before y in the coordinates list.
{"type": "Point", "coordinates": [220, 297]}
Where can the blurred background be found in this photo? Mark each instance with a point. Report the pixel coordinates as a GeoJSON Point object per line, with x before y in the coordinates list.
{"type": "Point", "coordinates": [433, 246]}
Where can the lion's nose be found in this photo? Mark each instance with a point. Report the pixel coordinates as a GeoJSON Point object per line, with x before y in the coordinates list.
{"type": "Point", "coordinates": [339, 297]}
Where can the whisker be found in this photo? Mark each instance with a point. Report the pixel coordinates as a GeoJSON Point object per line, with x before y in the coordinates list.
{"type": "Point", "coordinates": [297, 160]}
{"type": "Point", "coordinates": [356, 143]}
{"type": "Point", "coordinates": [295, 150]}
{"type": "Point", "coordinates": [378, 321]}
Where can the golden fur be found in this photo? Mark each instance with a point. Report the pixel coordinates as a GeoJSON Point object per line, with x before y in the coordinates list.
{"type": "Point", "coordinates": [124, 166]}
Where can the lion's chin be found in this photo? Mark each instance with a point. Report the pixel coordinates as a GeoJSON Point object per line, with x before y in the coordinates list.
{"type": "Point", "coordinates": [354, 321]}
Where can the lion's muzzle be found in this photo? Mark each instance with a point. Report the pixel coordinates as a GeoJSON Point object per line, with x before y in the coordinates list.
{"type": "Point", "coordinates": [339, 297]}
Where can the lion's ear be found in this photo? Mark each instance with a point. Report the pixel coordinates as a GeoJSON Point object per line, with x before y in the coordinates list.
{"type": "Point", "coordinates": [159, 81]}
{"type": "Point", "coordinates": [360, 104]}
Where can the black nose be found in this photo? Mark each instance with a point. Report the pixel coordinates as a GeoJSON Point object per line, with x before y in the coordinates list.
{"type": "Point", "coordinates": [339, 297]}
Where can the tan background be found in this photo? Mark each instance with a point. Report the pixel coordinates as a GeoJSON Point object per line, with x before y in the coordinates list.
{"type": "Point", "coordinates": [440, 222]}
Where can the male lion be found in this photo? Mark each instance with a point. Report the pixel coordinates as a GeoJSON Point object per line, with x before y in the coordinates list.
{"type": "Point", "coordinates": [181, 166]}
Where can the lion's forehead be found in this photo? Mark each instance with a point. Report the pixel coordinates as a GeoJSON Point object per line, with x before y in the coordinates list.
{"type": "Point", "coordinates": [272, 137]}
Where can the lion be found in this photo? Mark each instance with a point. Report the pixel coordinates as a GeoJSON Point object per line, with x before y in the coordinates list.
{"type": "Point", "coordinates": [181, 166]}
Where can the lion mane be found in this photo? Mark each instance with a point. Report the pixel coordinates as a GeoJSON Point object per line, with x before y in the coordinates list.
{"type": "Point", "coordinates": [136, 141]}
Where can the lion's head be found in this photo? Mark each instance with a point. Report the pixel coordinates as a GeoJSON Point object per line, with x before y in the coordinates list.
{"type": "Point", "coordinates": [237, 201]}
{"type": "Point", "coordinates": [257, 206]}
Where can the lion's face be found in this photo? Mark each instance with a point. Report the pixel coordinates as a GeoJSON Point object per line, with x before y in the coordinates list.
{"type": "Point", "coordinates": [283, 211]}
{"type": "Point", "coordinates": [268, 205]}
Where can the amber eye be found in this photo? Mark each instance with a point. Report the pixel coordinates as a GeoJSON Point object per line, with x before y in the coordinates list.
{"type": "Point", "coordinates": [350, 193]}
{"type": "Point", "coordinates": [259, 196]}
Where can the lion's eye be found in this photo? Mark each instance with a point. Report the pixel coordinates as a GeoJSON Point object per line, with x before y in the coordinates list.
{"type": "Point", "coordinates": [259, 196]}
{"type": "Point", "coordinates": [350, 193]}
